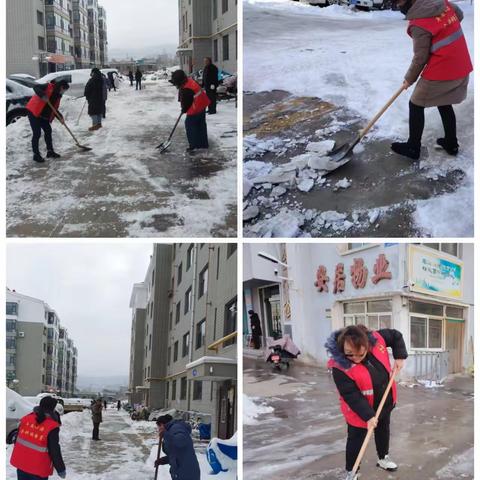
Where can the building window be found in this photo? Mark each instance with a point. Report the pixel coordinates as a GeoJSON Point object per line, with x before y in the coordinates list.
{"type": "Point", "coordinates": [231, 249]}
{"type": "Point", "coordinates": [183, 388]}
{"type": "Point", "coordinates": [169, 355]}
{"type": "Point", "coordinates": [179, 274]}
{"type": "Point", "coordinates": [225, 48]}
{"type": "Point", "coordinates": [203, 282]}
{"type": "Point", "coordinates": [197, 390]}
{"type": "Point", "coordinates": [12, 308]}
{"type": "Point", "coordinates": [11, 359]}
{"type": "Point", "coordinates": [170, 321]}
{"type": "Point", "coordinates": [230, 320]}
{"type": "Point", "coordinates": [188, 301]}
{"type": "Point", "coordinates": [150, 342]}
{"type": "Point", "coordinates": [450, 248]}
{"type": "Point", "coordinates": [148, 370]}
{"type": "Point", "coordinates": [376, 314]}
{"type": "Point", "coordinates": [224, 6]}
{"type": "Point", "coordinates": [186, 344]}
{"type": "Point", "coordinates": [177, 312]}
{"type": "Point", "coordinates": [40, 20]}
{"type": "Point", "coordinates": [200, 334]}
{"type": "Point", "coordinates": [11, 325]}
{"type": "Point", "coordinates": [175, 351]}
{"type": "Point", "coordinates": [189, 257]}
{"type": "Point", "coordinates": [215, 9]}
{"type": "Point", "coordinates": [174, 390]}
{"type": "Point", "coordinates": [168, 390]}
{"type": "Point", "coordinates": [427, 324]}
{"type": "Point", "coordinates": [11, 343]}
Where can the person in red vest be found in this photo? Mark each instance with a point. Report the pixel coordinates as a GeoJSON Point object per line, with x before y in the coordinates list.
{"type": "Point", "coordinates": [442, 60]}
{"type": "Point", "coordinates": [37, 449]}
{"type": "Point", "coordinates": [194, 101]}
{"type": "Point", "coordinates": [41, 115]}
{"type": "Point", "coordinates": [361, 370]}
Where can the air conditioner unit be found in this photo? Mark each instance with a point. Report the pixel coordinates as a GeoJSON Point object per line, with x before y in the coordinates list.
{"type": "Point", "coordinates": [21, 334]}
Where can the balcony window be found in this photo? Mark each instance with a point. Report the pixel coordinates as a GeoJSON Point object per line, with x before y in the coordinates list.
{"type": "Point", "coordinates": [177, 312]}
{"type": "Point", "coordinates": [188, 301]}
{"type": "Point", "coordinates": [189, 257]}
{"type": "Point", "coordinates": [174, 390]}
{"type": "Point", "coordinates": [175, 351]}
{"type": "Point", "coordinates": [183, 388]}
{"type": "Point", "coordinates": [200, 334]}
{"type": "Point", "coordinates": [224, 6]}
{"type": "Point", "coordinates": [203, 282]}
{"type": "Point", "coordinates": [186, 344]}
{"type": "Point", "coordinates": [40, 18]}
{"type": "Point", "coordinates": [11, 343]}
{"type": "Point", "coordinates": [179, 274]}
{"type": "Point", "coordinates": [12, 308]}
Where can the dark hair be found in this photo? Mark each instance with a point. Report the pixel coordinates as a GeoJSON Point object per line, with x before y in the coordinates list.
{"type": "Point", "coordinates": [357, 335]}
{"type": "Point", "coordinates": [47, 406]}
{"type": "Point", "coordinates": [164, 419]}
{"type": "Point", "coordinates": [61, 84]}
{"type": "Point", "coordinates": [179, 78]}
{"type": "Point", "coordinates": [251, 312]}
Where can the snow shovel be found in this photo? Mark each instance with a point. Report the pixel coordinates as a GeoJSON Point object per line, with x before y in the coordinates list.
{"type": "Point", "coordinates": [379, 411]}
{"type": "Point", "coordinates": [59, 118]}
{"type": "Point", "coordinates": [163, 146]}
{"type": "Point", "coordinates": [346, 149]}
{"type": "Point", "coordinates": [158, 455]}
{"type": "Point", "coordinates": [81, 111]}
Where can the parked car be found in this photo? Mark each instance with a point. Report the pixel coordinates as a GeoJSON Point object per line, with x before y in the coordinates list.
{"type": "Point", "coordinates": [23, 79]}
{"type": "Point", "coordinates": [320, 3]}
{"type": "Point", "coordinates": [372, 4]}
{"type": "Point", "coordinates": [75, 404]}
{"type": "Point", "coordinates": [36, 401]}
{"type": "Point", "coordinates": [17, 97]}
{"type": "Point", "coordinates": [17, 407]}
{"type": "Point", "coordinates": [77, 80]}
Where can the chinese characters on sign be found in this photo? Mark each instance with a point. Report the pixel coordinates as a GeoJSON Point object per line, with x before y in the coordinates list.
{"type": "Point", "coordinates": [322, 279]}
{"type": "Point", "coordinates": [358, 274]}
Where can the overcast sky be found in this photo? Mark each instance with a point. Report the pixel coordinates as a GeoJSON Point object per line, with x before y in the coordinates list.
{"type": "Point", "coordinates": [137, 24]}
{"type": "Point", "coordinates": [89, 286]}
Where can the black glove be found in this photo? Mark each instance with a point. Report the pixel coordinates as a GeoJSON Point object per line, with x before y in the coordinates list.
{"type": "Point", "coordinates": [161, 461]}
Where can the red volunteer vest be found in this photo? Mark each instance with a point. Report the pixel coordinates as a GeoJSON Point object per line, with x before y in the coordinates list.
{"type": "Point", "coordinates": [36, 104]}
{"type": "Point", "coordinates": [200, 99]}
{"type": "Point", "coordinates": [360, 375]}
{"type": "Point", "coordinates": [449, 57]}
{"type": "Point", "coordinates": [30, 453]}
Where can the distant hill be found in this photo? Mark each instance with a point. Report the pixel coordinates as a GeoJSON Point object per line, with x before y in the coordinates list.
{"type": "Point", "coordinates": [113, 382]}
{"type": "Point", "coordinates": [141, 52]}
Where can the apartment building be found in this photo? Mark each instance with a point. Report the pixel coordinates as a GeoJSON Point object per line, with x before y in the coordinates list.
{"type": "Point", "coordinates": [102, 36]}
{"type": "Point", "coordinates": [208, 28]}
{"type": "Point", "coordinates": [26, 37]}
{"type": "Point", "coordinates": [81, 33]}
{"type": "Point", "coordinates": [35, 355]}
{"type": "Point", "coordinates": [93, 32]}
{"type": "Point", "coordinates": [190, 333]}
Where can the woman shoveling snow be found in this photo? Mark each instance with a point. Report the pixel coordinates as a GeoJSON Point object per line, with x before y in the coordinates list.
{"type": "Point", "coordinates": [361, 370]}
{"type": "Point", "coordinates": [441, 58]}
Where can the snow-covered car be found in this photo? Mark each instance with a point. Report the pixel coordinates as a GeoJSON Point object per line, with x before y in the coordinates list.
{"type": "Point", "coordinates": [321, 3]}
{"type": "Point", "coordinates": [75, 404]}
{"type": "Point", "coordinates": [77, 80]}
{"type": "Point", "coordinates": [17, 97]}
{"type": "Point", "coordinates": [372, 4]}
{"type": "Point", "coordinates": [17, 407]}
{"type": "Point", "coordinates": [23, 79]}
{"type": "Point", "coordinates": [36, 401]}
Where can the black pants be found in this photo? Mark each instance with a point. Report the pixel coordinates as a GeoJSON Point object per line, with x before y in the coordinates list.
{"type": "Point", "coordinates": [21, 475]}
{"type": "Point", "coordinates": [256, 339]}
{"type": "Point", "coordinates": [417, 124]}
{"type": "Point", "coordinates": [196, 127]}
{"type": "Point", "coordinates": [138, 85]}
{"type": "Point", "coordinates": [38, 124]}
{"type": "Point", "coordinates": [96, 431]}
{"type": "Point", "coordinates": [212, 96]}
{"type": "Point", "coordinates": [356, 436]}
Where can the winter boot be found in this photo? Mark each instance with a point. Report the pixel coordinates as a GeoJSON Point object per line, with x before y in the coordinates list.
{"type": "Point", "coordinates": [406, 150]}
{"type": "Point", "coordinates": [52, 154]}
{"type": "Point", "coordinates": [387, 464]}
{"type": "Point", "coordinates": [351, 476]}
{"type": "Point", "coordinates": [450, 147]}
{"type": "Point", "coordinates": [38, 158]}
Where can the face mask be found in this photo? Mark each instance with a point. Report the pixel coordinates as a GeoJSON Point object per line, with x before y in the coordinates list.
{"type": "Point", "coordinates": [406, 7]}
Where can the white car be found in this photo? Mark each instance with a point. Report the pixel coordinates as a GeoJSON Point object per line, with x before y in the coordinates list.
{"type": "Point", "coordinates": [17, 96]}
{"type": "Point", "coordinates": [77, 80]}
{"type": "Point", "coordinates": [17, 408]}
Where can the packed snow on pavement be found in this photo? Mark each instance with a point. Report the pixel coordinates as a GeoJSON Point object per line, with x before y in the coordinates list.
{"type": "Point", "coordinates": [124, 186]}
{"type": "Point", "coordinates": [317, 75]}
{"type": "Point", "coordinates": [127, 450]}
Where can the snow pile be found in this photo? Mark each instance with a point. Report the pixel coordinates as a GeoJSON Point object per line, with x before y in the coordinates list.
{"type": "Point", "coordinates": [252, 409]}
{"type": "Point", "coordinates": [430, 384]}
{"type": "Point", "coordinates": [254, 147]}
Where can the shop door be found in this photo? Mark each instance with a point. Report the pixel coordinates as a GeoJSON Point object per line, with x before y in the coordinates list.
{"type": "Point", "coordinates": [227, 405]}
{"type": "Point", "coordinates": [454, 343]}
{"type": "Point", "coordinates": [272, 313]}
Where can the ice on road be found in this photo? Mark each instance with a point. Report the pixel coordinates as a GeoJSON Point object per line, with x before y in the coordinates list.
{"type": "Point", "coordinates": [127, 450]}
{"type": "Point", "coordinates": [124, 186]}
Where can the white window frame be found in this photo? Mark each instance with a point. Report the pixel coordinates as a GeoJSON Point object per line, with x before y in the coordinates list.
{"type": "Point", "coordinates": [365, 313]}
{"type": "Point", "coordinates": [427, 317]}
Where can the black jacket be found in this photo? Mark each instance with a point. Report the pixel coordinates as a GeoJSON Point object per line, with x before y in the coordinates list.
{"type": "Point", "coordinates": [210, 76]}
{"type": "Point", "coordinates": [94, 95]}
{"type": "Point", "coordinates": [255, 324]}
{"type": "Point", "coordinates": [138, 75]}
{"type": "Point", "coordinates": [185, 97]}
{"type": "Point", "coordinates": [349, 390]}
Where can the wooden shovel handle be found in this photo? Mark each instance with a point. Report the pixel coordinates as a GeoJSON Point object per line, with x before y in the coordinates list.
{"type": "Point", "coordinates": [60, 119]}
{"type": "Point", "coordinates": [381, 112]}
{"type": "Point", "coordinates": [370, 430]}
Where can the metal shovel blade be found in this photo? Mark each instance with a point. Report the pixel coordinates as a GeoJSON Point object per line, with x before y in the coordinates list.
{"type": "Point", "coordinates": [163, 146]}
{"type": "Point", "coordinates": [340, 153]}
{"type": "Point", "coordinates": [84, 148]}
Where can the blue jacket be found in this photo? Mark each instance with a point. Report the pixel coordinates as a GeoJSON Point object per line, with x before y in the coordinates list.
{"type": "Point", "coordinates": [178, 446]}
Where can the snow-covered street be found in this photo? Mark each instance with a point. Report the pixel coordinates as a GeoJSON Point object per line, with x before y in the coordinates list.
{"type": "Point", "coordinates": [124, 187]}
{"type": "Point", "coordinates": [294, 428]}
{"type": "Point", "coordinates": [317, 75]}
{"type": "Point", "coordinates": [127, 450]}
